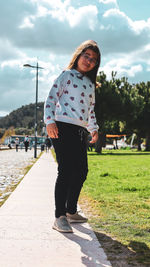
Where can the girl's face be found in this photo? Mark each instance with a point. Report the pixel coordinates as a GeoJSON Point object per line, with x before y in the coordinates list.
{"type": "Point", "coordinates": [87, 61]}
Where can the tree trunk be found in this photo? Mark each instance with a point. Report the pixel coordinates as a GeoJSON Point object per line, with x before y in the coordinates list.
{"type": "Point", "coordinates": [139, 143]}
{"type": "Point", "coordinates": [100, 143]}
{"type": "Point", "coordinates": [147, 142]}
{"type": "Point", "coordinates": [116, 146]}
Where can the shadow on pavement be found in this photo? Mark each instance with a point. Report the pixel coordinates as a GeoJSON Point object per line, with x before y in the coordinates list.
{"type": "Point", "coordinates": [93, 254]}
{"type": "Point", "coordinates": [117, 254]}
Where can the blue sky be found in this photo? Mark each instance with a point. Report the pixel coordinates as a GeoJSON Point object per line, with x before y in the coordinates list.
{"type": "Point", "coordinates": [50, 30]}
{"type": "Point", "coordinates": [135, 9]}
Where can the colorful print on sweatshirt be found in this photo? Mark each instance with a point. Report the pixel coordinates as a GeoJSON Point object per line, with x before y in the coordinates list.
{"type": "Point", "coordinates": [71, 100]}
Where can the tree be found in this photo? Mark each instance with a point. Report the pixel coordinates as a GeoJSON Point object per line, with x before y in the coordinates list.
{"type": "Point", "coordinates": [142, 123]}
{"type": "Point", "coordinates": [23, 117]}
{"type": "Point", "coordinates": [7, 133]}
{"type": "Point", "coordinates": [110, 108]}
{"type": "Point", "coordinates": [103, 108]}
{"type": "Point", "coordinates": [122, 108]}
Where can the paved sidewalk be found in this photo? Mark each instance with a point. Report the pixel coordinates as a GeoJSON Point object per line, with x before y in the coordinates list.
{"type": "Point", "coordinates": [26, 235]}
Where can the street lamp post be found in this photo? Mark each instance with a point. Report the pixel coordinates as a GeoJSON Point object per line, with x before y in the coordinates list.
{"type": "Point", "coordinates": [36, 101]}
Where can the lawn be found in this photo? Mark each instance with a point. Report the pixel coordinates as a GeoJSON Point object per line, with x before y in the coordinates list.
{"type": "Point", "coordinates": [116, 198]}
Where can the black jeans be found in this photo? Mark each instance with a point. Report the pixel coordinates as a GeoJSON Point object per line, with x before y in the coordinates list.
{"type": "Point", "coordinates": [71, 155]}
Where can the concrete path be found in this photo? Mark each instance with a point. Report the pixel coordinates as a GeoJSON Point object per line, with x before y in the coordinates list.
{"type": "Point", "coordinates": [26, 235]}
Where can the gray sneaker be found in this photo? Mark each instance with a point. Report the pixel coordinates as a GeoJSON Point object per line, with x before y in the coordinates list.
{"type": "Point", "coordinates": [76, 218]}
{"type": "Point", "coordinates": [61, 224]}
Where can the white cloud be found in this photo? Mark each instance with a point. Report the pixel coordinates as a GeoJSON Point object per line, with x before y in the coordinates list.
{"type": "Point", "coordinates": [124, 66]}
{"type": "Point", "coordinates": [8, 51]}
{"type": "Point", "coordinates": [52, 29]}
{"type": "Point", "coordinates": [114, 2]}
{"type": "Point", "coordinates": [120, 34]}
{"type": "Point", "coordinates": [108, 4]}
{"type": "Point", "coordinates": [112, 28]}
{"type": "Point", "coordinates": [86, 15]}
{"type": "Point", "coordinates": [26, 24]}
{"type": "Point", "coordinates": [12, 15]}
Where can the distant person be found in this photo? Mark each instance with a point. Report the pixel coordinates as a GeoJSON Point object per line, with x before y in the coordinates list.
{"type": "Point", "coordinates": [17, 144]}
{"type": "Point", "coordinates": [10, 146]}
{"type": "Point", "coordinates": [31, 144]}
{"type": "Point", "coordinates": [47, 143]}
{"type": "Point", "coordinates": [21, 145]}
{"type": "Point", "coordinates": [26, 143]}
{"type": "Point", "coordinates": [69, 116]}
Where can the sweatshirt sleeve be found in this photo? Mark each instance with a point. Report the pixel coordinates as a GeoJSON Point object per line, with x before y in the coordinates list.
{"type": "Point", "coordinates": [92, 125]}
{"type": "Point", "coordinates": [52, 99]}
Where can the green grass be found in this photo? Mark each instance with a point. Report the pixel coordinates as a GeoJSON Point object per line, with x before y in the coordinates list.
{"type": "Point", "coordinates": [116, 195]}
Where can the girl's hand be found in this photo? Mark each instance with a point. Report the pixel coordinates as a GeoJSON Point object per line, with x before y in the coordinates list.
{"type": "Point", "coordinates": [52, 130]}
{"type": "Point", "coordinates": [94, 137]}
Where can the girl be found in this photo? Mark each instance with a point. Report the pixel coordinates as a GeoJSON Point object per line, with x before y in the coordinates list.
{"type": "Point", "coordinates": [69, 116]}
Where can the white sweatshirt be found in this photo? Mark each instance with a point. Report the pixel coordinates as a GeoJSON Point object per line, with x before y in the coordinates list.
{"type": "Point", "coordinates": [71, 100]}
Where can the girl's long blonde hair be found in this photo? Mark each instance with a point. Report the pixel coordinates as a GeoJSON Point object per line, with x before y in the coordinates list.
{"type": "Point", "coordinates": [89, 44]}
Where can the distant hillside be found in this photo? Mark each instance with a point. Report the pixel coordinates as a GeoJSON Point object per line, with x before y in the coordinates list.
{"type": "Point", "coordinates": [23, 117]}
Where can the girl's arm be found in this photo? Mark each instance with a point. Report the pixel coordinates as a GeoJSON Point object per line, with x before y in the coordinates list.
{"type": "Point", "coordinates": [92, 126]}
{"type": "Point", "coordinates": [50, 106]}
